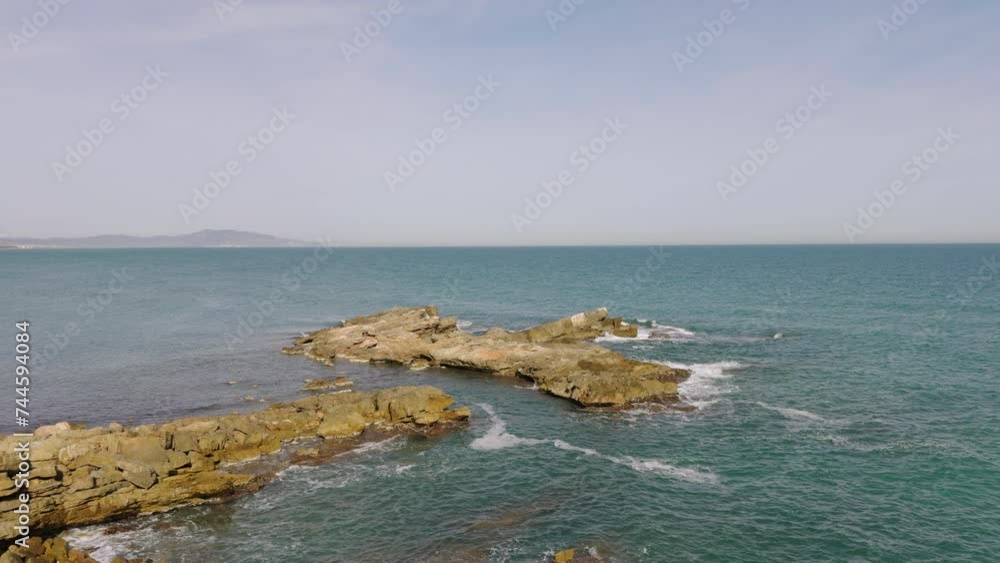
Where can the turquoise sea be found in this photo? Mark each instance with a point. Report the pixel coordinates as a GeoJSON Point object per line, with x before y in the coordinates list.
{"type": "Point", "coordinates": [848, 400]}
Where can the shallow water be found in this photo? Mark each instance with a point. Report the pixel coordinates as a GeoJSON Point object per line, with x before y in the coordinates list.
{"type": "Point", "coordinates": [847, 400]}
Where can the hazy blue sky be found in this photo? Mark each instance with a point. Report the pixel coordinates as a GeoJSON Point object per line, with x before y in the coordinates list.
{"type": "Point", "coordinates": [324, 173]}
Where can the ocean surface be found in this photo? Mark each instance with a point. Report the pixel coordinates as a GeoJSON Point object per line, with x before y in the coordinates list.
{"type": "Point", "coordinates": [847, 400]}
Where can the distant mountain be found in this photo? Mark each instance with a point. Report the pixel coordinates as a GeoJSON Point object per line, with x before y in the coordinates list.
{"type": "Point", "coordinates": [200, 239]}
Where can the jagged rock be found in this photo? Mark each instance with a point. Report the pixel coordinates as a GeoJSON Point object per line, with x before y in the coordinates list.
{"type": "Point", "coordinates": [88, 476]}
{"type": "Point", "coordinates": [556, 355]}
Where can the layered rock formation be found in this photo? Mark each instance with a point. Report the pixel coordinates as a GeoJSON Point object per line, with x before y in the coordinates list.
{"type": "Point", "coordinates": [555, 355]}
{"type": "Point", "coordinates": [85, 476]}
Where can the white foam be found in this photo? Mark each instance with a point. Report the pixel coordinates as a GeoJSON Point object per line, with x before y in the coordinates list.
{"type": "Point", "coordinates": [644, 465]}
{"type": "Point", "coordinates": [608, 337]}
{"type": "Point", "coordinates": [674, 332]}
{"type": "Point", "coordinates": [653, 331]}
{"type": "Point", "coordinates": [102, 547]}
{"type": "Point", "coordinates": [571, 448]}
{"type": "Point", "coordinates": [291, 469]}
{"type": "Point", "coordinates": [375, 447]}
{"type": "Point", "coordinates": [793, 413]}
{"type": "Point", "coordinates": [103, 544]}
{"type": "Point", "coordinates": [667, 470]}
{"type": "Point", "coordinates": [497, 438]}
{"type": "Point", "coordinates": [706, 382]}
{"type": "Point", "coordinates": [463, 323]}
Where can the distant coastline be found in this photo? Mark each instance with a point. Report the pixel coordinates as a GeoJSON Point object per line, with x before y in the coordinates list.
{"type": "Point", "coordinates": [200, 239]}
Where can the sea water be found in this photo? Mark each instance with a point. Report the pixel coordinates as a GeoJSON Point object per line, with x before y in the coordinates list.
{"type": "Point", "coordinates": [846, 400]}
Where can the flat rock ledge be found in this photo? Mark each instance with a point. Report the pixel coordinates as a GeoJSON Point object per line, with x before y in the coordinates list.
{"type": "Point", "coordinates": [557, 356]}
{"type": "Point", "coordinates": [88, 476]}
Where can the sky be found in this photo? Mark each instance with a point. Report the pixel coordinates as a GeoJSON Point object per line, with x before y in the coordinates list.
{"type": "Point", "coordinates": [514, 122]}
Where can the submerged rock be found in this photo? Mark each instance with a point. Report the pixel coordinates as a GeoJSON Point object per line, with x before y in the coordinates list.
{"type": "Point", "coordinates": [320, 384]}
{"type": "Point", "coordinates": [87, 476]}
{"type": "Point", "coordinates": [557, 355]}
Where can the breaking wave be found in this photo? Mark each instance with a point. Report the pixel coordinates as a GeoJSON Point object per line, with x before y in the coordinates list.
{"type": "Point", "coordinates": [655, 332]}
{"type": "Point", "coordinates": [650, 330]}
{"type": "Point", "coordinates": [706, 383]}
{"type": "Point", "coordinates": [497, 438]}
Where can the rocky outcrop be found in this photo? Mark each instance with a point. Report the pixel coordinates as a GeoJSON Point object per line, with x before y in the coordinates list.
{"type": "Point", "coordinates": [85, 476]}
{"type": "Point", "coordinates": [52, 550]}
{"type": "Point", "coordinates": [557, 356]}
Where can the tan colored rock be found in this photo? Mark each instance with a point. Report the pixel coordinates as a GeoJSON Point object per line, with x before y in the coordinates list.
{"type": "Point", "coordinates": [36, 546]}
{"type": "Point", "coordinates": [46, 470]}
{"type": "Point", "coordinates": [341, 423]}
{"type": "Point", "coordinates": [53, 429]}
{"type": "Point", "coordinates": [557, 356]}
{"type": "Point", "coordinates": [77, 556]}
{"type": "Point", "coordinates": [138, 473]}
{"type": "Point", "coordinates": [6, 485]}
{"type": "Point", "coordinates": [564, 556]}
{"type": "Point", "coordinates": [200, 462]}
{"type": "Point", "coordinates": [57, 548]}
{"type": "Point", "coordinates": [88, 476]}
{"type": "Point", "coordinates": [422, 405]}
{"type": "Point", "coordinates": [148, 451]}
